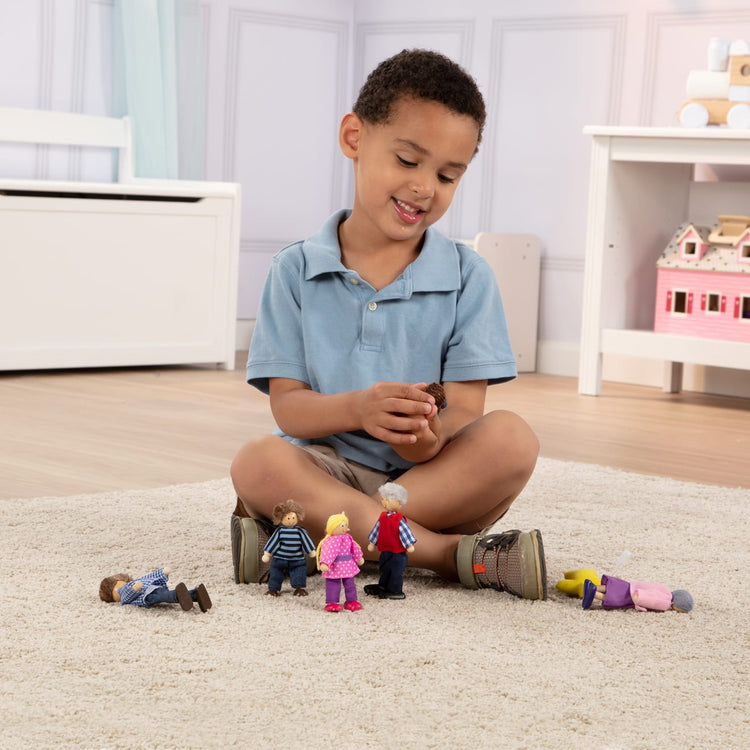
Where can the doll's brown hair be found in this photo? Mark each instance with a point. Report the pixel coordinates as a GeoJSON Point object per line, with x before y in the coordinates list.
{"type": "Point", "coordinates": [107, 586]}
{"type": "Point", "coordinates": [288, 506]}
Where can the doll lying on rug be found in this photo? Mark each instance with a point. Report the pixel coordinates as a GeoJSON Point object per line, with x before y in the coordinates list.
{"type": "Point", "coordinates": [152, 589]}
{"type": "Point", "coordinates": [614, 593]}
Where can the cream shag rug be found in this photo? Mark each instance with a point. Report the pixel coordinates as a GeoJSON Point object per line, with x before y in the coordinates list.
{"type": "Point", "coordinates": [445, 668]}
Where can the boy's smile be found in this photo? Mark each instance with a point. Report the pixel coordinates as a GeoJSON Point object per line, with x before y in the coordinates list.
{"type": "Point", "coordinates": [406, 169]}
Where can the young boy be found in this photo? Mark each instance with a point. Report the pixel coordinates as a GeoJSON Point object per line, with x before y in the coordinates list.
{"type": "Point", "coordinates": [356, 320]}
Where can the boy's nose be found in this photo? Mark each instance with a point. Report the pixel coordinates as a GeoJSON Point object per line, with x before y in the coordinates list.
{"type": "Point", "coordinates": [423, 188]}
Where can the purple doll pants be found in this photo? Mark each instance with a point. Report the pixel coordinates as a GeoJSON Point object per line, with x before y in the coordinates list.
{"type": "Point", "coordinates": [333, 590]}
{"type": "Point", "coordinates": [617, 595]}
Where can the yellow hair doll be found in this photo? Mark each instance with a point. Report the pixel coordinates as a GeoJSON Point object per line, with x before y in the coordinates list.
{"type": "Point", "coordinates": [339, 558]}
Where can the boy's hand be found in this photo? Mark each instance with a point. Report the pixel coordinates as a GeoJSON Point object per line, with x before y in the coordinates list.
{"type": "Point", "coordinates": [465, 404]}
{"type": "Point", "coordinates": [426, 445]}
{"type": "Point", "coordinates": [397, 413]}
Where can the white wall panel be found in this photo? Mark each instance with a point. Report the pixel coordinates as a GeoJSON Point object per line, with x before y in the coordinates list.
{"type": "Point", "coordinates": [285, 97]}
{"type": "Point", "coordinates": [255, 260]}
{"type": "Point", "coordinates": [549, 78]}
{"type": "Point", "coordinates": [21, 51]}
{"type": "Point", "coordinates": [92, 83]}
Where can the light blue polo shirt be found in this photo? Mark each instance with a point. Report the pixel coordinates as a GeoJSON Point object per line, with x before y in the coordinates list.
{"type": "Point", "coordinates": [441, 320]}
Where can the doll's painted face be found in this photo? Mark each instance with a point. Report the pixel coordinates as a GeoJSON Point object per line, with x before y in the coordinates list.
{"type": "Point", "coordinates": [390, 504]}
{"type": "Point", "coordinates": [342, 528]}
{"type": "Point", "coordinates": [289, 519]}
{"type": "Point", "coordinates": [116, 590]}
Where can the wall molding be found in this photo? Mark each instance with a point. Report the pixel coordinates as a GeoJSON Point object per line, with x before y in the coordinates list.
{"type": "Point", "coordinates": [562, 265]}
{"type": "Point", "coordinates": [238, 18]}
{"type": "Point", "coordinates": [501, 28]}
{"type": "Point", "coordinates": [44, 84]}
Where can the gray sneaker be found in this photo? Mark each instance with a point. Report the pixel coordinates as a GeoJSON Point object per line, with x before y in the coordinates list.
{"type": "Point", "coordinates": [512, 561]}
{"type": "Point", "coordinates": [249, 537]}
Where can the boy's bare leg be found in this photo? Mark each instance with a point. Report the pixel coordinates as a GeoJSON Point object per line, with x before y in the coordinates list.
{"type": "Point", "coordinates": [269, 470]}
{"type": "Point", "coordinates": [468, 486]}
{"type": "Point", "coordinates": [473, 481]}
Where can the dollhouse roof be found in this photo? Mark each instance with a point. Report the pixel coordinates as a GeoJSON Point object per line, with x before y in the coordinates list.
{"type": "Point", "coordinates": [716, 258]}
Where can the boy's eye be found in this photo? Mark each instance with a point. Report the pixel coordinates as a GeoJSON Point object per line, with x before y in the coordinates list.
{"type": "Point", "coordinates": [446, 179]}
{"type": "Point", "coordinates": [406, 163]}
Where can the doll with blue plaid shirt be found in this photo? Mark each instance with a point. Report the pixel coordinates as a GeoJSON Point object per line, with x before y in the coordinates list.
{"type": "Point", "coordinates": [152, 589]}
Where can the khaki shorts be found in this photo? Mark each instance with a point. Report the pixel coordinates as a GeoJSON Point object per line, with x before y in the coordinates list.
{"type": "Point", "coordinates": [354, 474]}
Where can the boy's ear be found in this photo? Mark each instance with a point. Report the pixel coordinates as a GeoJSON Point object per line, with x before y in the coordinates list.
{"type": "Point", "coordinates": [350, 133]}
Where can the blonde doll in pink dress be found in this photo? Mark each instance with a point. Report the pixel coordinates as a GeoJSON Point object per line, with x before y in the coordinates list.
{"type": "Point", "coordinates": [339, 558]}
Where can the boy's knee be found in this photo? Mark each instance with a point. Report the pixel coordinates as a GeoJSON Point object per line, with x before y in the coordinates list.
{"type": "Point", "coordinates": [515, 438]}
{"type": "Point", "coordinates": [256, 457]}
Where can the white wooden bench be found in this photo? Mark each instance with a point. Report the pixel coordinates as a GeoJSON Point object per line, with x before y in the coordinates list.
{"type": "Point", "coordinates": [134, 272]}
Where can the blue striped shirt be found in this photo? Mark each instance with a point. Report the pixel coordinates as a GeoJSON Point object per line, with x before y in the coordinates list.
{"type": "Point", "coordinates": [289, 543]}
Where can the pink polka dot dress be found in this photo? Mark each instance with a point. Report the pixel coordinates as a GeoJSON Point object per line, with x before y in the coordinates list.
{"type": "Point", "coordinates": [340, 552]}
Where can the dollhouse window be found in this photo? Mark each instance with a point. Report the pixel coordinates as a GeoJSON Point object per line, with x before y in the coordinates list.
{"type": "Point", "coordinates": [690, 248]}
{"type": "Point", "coordinates": [745, 308]}
{"type": "Point", "coordinates": [680, 302]}
{"type": "Point", "coordinates": [743, 254]}
{"type": "Point", "coordinates": [713, 303]}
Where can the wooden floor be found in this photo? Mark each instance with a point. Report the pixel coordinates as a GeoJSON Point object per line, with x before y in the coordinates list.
{"type": "Point", "coordinates": [64, 433]}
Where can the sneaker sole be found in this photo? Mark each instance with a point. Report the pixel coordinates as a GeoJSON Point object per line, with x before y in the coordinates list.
{"type": "Point", "coordinates": [246, 562]}
{"type": "Point", "coordinates": [238, 549]}
{"type": "Point", "coordinates": [534, 568]}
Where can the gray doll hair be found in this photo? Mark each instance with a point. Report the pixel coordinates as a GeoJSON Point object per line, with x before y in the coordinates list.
{"type": "Point", "coordinates": [393, 491]}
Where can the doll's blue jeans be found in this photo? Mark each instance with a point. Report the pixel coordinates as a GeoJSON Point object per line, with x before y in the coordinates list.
{"type": "Point", "coordinates": [162, 595]}
{"type": "Point", "coordinates": [392, 566]}
{"type": "Point", "coordinates": [297, 573]}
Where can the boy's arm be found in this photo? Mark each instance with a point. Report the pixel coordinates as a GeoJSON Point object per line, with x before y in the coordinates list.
{"type": "Point", "coordinates": [465, 405]}
{"type": "Point", "coordinates": [391, 412]}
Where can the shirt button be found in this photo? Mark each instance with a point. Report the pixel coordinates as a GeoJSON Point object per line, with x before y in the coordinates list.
{"type": "Point", "coordinates": [372, 306]}
{"type": "Point", "coordinates": [354, 280]}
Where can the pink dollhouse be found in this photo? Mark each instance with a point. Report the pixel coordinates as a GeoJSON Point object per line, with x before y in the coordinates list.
{"type": "Point", "coordinates": [703, 281]}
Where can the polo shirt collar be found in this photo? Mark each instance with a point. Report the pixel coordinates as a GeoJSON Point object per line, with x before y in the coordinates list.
{"type": "Point", "coordinates": [435, 270]}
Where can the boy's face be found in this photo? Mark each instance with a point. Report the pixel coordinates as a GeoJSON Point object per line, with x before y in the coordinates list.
{"type": "Point", "coordinates": [407, 170]}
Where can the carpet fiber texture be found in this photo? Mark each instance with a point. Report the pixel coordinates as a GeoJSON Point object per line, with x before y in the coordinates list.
{"type": "Point", "coordinates": [444, 668]}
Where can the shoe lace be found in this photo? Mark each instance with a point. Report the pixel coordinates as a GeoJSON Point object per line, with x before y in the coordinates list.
{"type": "Point", "coordinates": [495, 548]}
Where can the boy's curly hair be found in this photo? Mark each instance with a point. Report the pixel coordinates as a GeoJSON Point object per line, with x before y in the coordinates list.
{"type": "Point", "coordinates": [107, 586]}
{"type": "Point", "coordinates": [420, 74]}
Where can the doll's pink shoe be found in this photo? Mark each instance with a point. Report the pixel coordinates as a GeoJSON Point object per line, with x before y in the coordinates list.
{"type": "Point", "coordinates": [353, 606]}
{"type": "Point", "coordinates": [333, 607]}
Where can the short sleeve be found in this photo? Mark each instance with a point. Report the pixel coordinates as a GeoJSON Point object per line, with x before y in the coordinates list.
{"type": "Point", "coordinates": [277, 345]}
{"type": "Point", "coordinates": [479, 347]}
